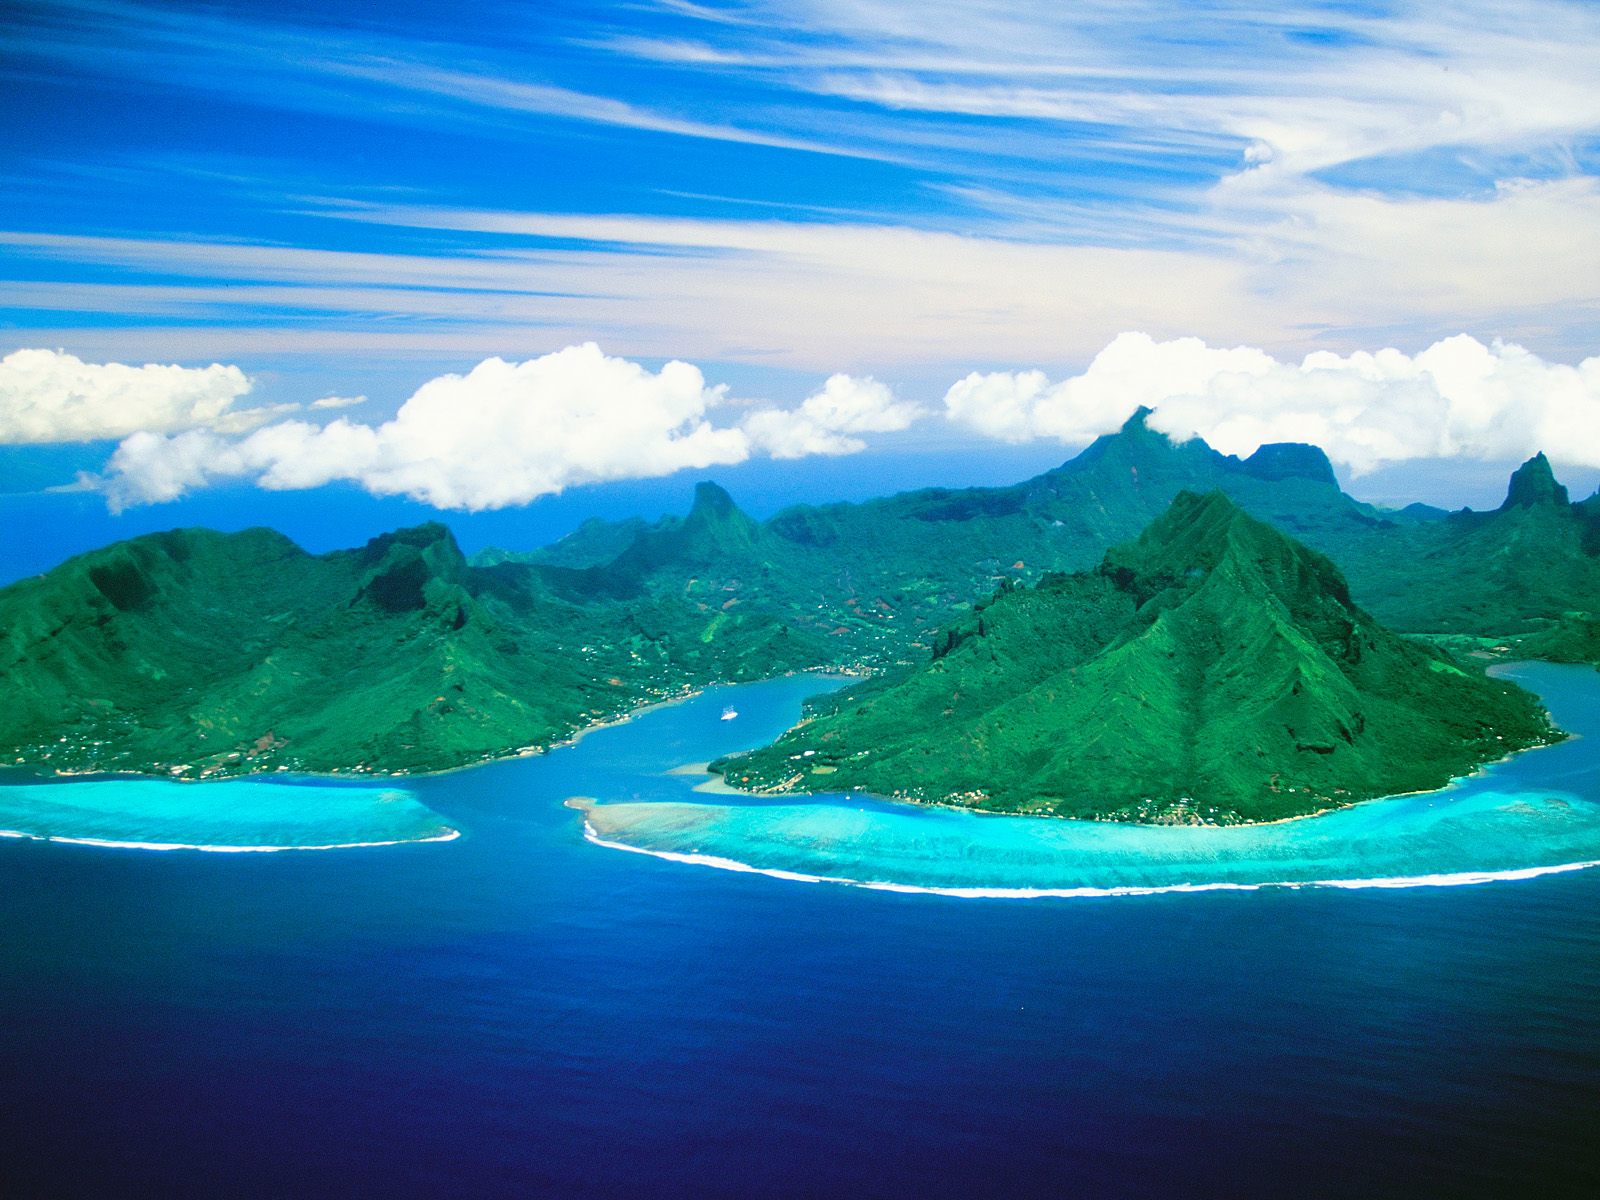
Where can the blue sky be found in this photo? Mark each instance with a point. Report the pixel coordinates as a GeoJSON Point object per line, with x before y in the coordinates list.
{"type": "Point", "coordinates": [349, 200]}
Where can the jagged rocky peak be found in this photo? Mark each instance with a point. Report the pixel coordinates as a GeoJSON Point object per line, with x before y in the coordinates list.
{"type": "Point", "coordinates": [1534, 484]}
{"type": "Point", "coordinates": [712, 500]}
{"type": "Point", "coordinates": [402, 565]}
{"type": "Point", "coordinates": [715, 515]}
{"type": "Point", "coordinates": [1291, 460]}
{"type": "Point", "coordinates": [1139, 422]}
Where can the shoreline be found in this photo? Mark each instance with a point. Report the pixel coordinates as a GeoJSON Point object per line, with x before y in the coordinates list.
{"type": "Point", "coordinates": [163, 772]}
{"type": "Point", "coordinates": [716, 784]}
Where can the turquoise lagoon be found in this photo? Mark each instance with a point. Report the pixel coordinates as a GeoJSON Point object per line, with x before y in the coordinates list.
{"type": "Point", "coordinates": [228, 815]}
{"type": "Point", "coordinates": [1535, 813]}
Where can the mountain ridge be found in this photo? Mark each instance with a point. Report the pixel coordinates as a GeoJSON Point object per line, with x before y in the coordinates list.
{"type": "Point", "coordinates": [1212, 670]}
{"type": "Point", "coordinates": [459, 660]}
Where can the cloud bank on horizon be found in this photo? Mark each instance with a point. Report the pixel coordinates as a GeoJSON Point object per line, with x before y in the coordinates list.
{"type": "Point", "coordinates": [503, 433]}
{"type": "Point", "coordinates": [1456, 399]}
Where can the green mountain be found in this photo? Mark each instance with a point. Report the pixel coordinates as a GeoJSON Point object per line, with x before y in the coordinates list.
{"type": "Point", "coordinates": [1512, 571]}
{"type": "Point", "coordinates": [876, 580]}
{"type": "Point", "coordinates": [237, 653]}
{"type": "Point", "coordinates": [1213, 669]}
{"type": "Point", "coordinates": [592, 544]}
{"type": "Point", "coordinates": [204, 653]}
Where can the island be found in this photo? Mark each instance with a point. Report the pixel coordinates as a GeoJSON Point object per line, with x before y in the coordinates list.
{"type": "Point", "coordinates": [1213, 671]}
{"type": "Point", "coordinates": [197, 654]}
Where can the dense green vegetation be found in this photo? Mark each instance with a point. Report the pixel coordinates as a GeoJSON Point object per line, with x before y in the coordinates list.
{"type": "Point", "coordinates": [209, 653]}
{"type": "Point", "coordinates": [1212, 670]}
{"type": "Point", "coordinates": [879, 579]}
{"type": "Point", "coordinates": [1509, 572]}
{"type": "Point", "coordinates": [201, 653]}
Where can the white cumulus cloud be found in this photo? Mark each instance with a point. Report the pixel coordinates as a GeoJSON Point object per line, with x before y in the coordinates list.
{"type": "Point", "coordinates": [52, 396]}
{"type": "Point", "coordinates": [826, 422]}
{"type": "Point", "coordinates": [505, 433]}
{"type": "Point", "coordinates": [1457, 398]}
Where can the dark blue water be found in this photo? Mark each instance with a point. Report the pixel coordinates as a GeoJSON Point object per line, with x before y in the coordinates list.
{"type": "Point", "coordinates": [522, 1013]}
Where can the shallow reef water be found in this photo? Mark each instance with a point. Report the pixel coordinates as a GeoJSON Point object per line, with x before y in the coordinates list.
{"type": "Point", "coordinates": [1531, 814]}
{"type": "Point", "coordinates": [225, 815]}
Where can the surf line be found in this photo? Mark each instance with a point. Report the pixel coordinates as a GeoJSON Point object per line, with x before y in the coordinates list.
{"type": "Point", "coordinates": [1452, 879]}
{"type": "Point", "coordinates": [449, 835]}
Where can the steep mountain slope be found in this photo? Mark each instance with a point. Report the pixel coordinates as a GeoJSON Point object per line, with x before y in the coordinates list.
{"type": "Point", "coordinates": [877, 579]}
{"type": "Point", "coordinates": [207, 653]}
{"type": "Point", "coordinates": [1515, 570]}
{"type": "Point", "coordinates": [219, 653]}
{"type": "Point", "coordinates": [1212, 670]}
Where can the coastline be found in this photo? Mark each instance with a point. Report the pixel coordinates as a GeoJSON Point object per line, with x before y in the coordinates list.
{"type": "Point", "coordinates": [716, 784]}
{"type": "Point", "coordinates": [164, 771]}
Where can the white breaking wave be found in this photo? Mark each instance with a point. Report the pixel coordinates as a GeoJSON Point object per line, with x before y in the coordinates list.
{"type": "Point", "coordinates": [1450, 879]}
{"type": "Point", "coordinates": [448, 835]}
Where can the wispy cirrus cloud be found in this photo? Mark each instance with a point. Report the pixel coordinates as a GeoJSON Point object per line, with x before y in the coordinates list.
{"type": "Point", "coordinates": [1288, 90]}
{"type": "Point", "coordinates": [1338, 270]}
{"type": "Point", "coordinates": [996, 184]}
{"type": "Point", "coordinates": [369, 74]}
{"type": "Point", "coordinates": [500, 94]}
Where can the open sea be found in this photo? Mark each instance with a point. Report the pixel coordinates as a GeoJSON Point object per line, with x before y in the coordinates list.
{"type": "Point", "coordinates": [520, 1011]}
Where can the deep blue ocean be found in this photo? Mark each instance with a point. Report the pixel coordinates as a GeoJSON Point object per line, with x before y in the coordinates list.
{"type": "Point", "coordinates": [520, 1012]}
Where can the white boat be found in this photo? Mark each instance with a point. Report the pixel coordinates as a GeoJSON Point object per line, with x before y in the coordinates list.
{"type": "Point", "coordinates": [728, 714]}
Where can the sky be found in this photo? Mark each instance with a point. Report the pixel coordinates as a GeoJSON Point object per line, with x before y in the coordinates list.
{"type": "Point", "coordinates": [471, 264]}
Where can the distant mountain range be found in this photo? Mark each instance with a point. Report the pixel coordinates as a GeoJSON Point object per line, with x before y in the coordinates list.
{"type": "Point", "coordinates": [1212, 670]}
{"type": "Point", "coordinates": [906, 560]}
{"type": "Point", "coordinates": [200, 653]}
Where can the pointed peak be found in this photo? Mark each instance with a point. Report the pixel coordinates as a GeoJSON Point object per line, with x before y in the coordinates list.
{"type": "Point", "coordinates": [1195, 523]}
{"type": "Point", "coordinates": [1139, 421]}
{"type": "Point", "coordinates": [1196, 506]}
{"type": "Point", "coordinates": [1135, 444]}
{"type": "Point", "coordinates": [1291, 460]}
{"type": "Point", "coordinates": [712, 499]}
{"type": "Point", "coordinates": [1533, 484]}
{"type": "Point", "coordinates": [1200, 530]}
{"type": "Point", "coordinates": [714, 526]}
